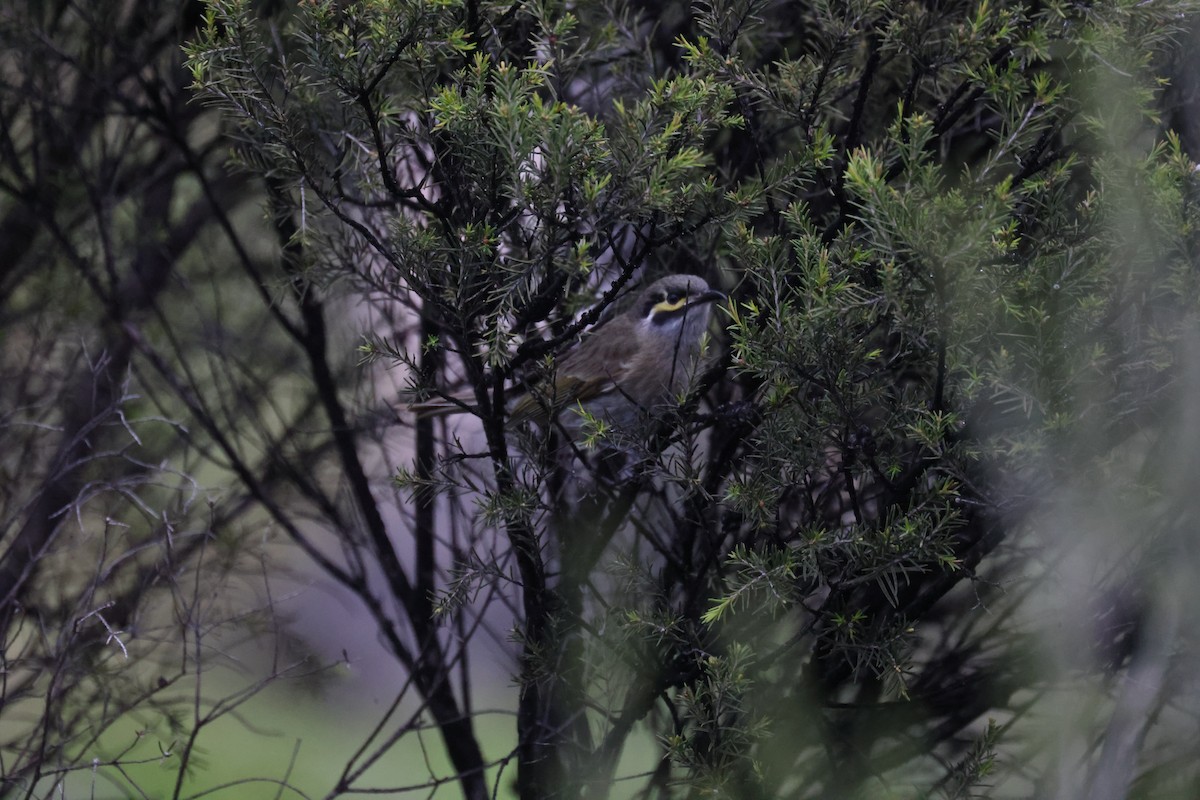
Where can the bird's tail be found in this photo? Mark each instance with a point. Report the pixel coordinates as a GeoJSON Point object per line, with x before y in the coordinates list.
{"type": "Point", "coordinates": [445, 405]}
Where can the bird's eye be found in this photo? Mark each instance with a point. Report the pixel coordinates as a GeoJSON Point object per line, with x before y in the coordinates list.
{"type": "Point", "coordinates": [674, 297]}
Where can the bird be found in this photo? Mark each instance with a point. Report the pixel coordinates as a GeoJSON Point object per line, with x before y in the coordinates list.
{"type": "Point", "coordinates": [625, 371]}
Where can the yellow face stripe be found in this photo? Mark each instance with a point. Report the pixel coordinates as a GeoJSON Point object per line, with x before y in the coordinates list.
{"type": "Point", "coordinates": [667, 306]}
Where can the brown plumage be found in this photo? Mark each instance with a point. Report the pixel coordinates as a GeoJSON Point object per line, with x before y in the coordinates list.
{"type": "Point", "coordinates": [626, 368]}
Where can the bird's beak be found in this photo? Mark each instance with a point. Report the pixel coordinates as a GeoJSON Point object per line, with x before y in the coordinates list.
{"type": "Point", "coordinates": [711, 296]}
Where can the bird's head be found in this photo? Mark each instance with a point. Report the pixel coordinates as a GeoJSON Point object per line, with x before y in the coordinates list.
{"type": "Point", "coordinates": [668, 302]}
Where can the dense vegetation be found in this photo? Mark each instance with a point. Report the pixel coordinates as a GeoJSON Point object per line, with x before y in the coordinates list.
{"type": "Point", "coordinates": [921, 527]}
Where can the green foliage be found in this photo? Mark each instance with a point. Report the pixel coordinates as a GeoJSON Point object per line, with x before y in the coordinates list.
{"type": "Point", "coordinates": [961, 248]}
{"type": "Point", "coordinates": [763, 582]}
{"type": "Point", "coordinates": [509, 190]}
{"type": "Point", "coordinates": [718, 750]}
{"type": "Point", "coordinates": [976, 765]}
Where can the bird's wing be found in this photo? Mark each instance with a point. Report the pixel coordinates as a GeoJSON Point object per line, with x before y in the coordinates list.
{"type": "Point", "coordinates": [596, 367]}
{"type": "Point", "coordinates": [546, 399]}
